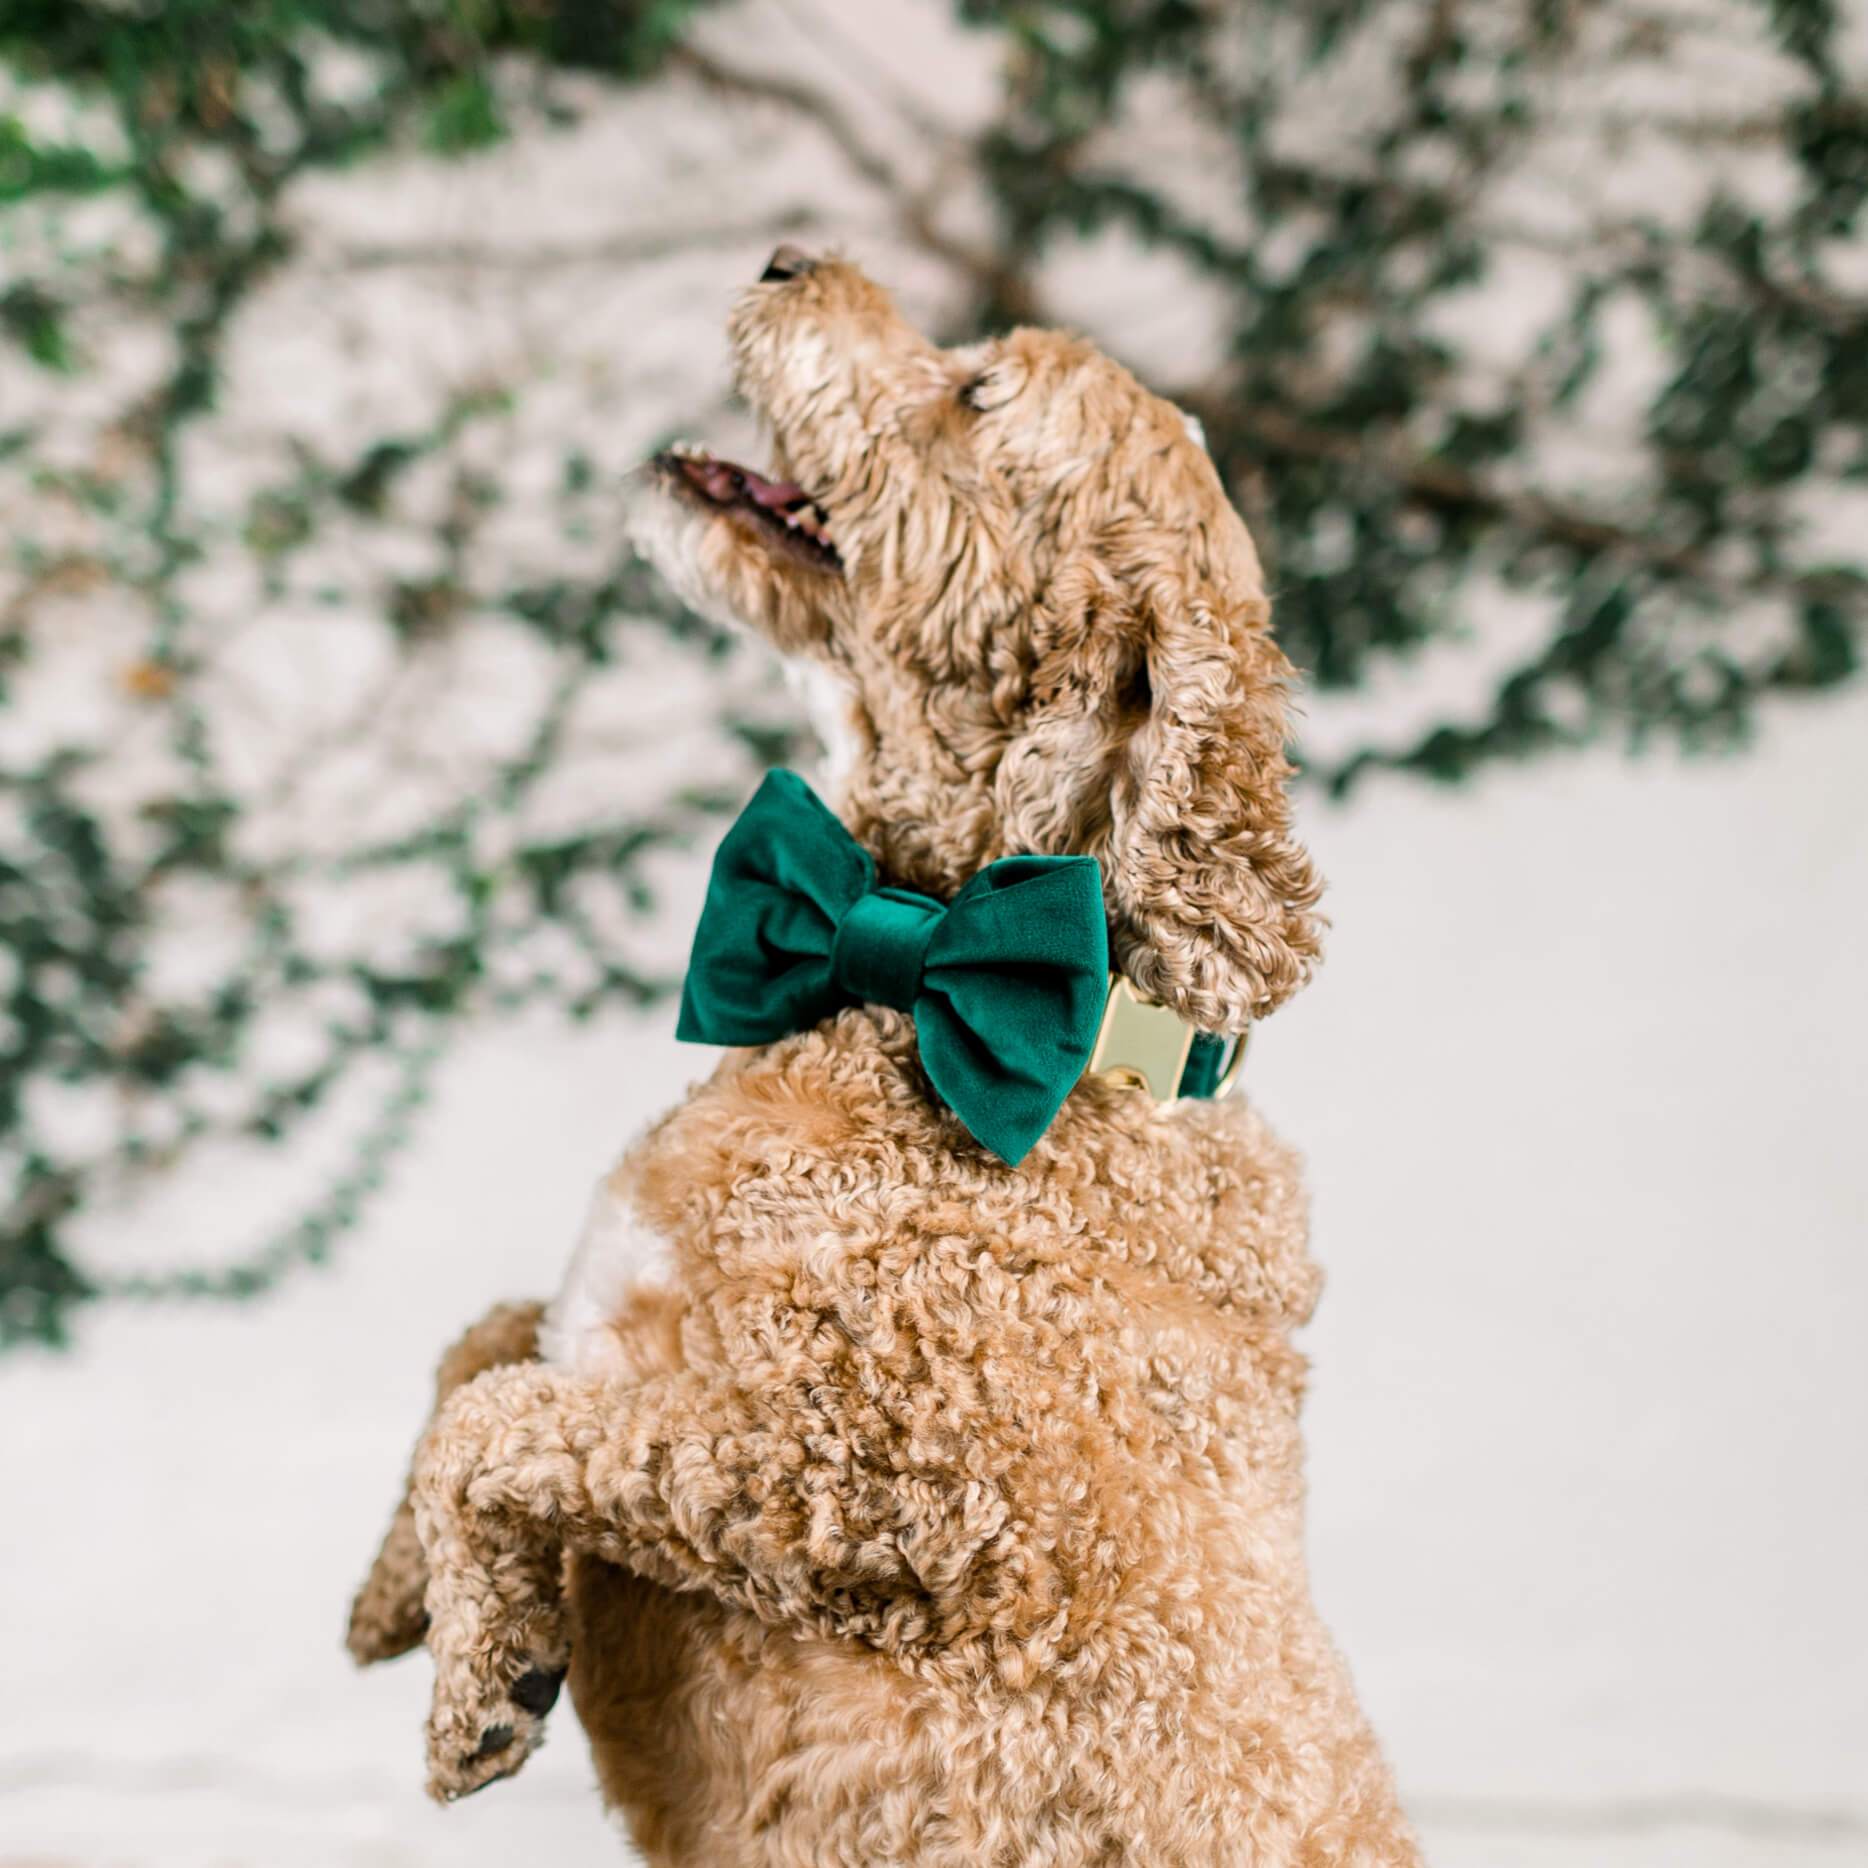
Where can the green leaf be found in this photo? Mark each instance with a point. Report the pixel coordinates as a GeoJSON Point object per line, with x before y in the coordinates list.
{"type": "Point", "coordinates": [465, 116]}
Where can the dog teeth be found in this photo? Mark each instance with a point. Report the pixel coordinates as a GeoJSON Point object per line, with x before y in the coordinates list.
{"type": "Point", "coordinates": [809, 520]}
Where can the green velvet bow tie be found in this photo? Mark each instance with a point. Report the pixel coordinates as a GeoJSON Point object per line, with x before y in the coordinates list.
{"type": "Point", "coordinates": [1006, 982]}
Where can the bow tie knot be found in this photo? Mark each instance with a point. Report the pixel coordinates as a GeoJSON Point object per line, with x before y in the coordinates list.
{"type": "Point", "coordinates": [880, 951]}
{"type": "Point", "coordinates": [1005, 983]}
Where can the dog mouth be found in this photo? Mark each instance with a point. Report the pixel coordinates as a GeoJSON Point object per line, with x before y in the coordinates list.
{"type": "Point", "coordinates": [783, 508]}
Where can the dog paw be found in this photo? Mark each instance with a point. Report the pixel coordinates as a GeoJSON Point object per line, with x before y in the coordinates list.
{"type": "Point", "coordinates": [477, 1740]}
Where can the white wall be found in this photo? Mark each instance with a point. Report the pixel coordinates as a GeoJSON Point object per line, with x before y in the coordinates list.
{"type": "Point", "coordinates": [1583, 1092]}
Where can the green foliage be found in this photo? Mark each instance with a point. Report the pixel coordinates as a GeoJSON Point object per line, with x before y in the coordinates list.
{"type": "Point", "coordinates": [1378, 474]}
{"type": "Point", "coordinates": [1400, 492]}
{"type": "Point", "coordinates": [79, 911]}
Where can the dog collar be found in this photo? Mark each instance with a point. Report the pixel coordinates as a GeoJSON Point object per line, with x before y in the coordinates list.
{"type": "Point", "coordinates": [1008, 984]}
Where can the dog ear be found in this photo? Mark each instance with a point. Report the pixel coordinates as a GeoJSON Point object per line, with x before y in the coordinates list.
{"type": "Point", "coordinates": [1212, 899]}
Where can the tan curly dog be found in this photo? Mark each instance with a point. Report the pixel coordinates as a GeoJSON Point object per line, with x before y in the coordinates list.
{"type": "Point", "coordinates": [888, 1504]}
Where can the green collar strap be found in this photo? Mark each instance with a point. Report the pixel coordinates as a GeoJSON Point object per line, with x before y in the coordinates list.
{"type": "Point", "coordinates": [1008, 984]}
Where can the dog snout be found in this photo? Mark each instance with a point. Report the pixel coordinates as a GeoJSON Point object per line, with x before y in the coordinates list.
{"type": "Point", "coordinates": [787, 262]}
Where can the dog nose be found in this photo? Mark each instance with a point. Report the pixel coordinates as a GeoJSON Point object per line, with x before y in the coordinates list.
{"type": "Point", "coordinates": [787, 262]}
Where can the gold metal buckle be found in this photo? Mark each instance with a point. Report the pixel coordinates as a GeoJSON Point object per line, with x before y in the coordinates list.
{"type": "Point", "coordinates": [1142, 1042]}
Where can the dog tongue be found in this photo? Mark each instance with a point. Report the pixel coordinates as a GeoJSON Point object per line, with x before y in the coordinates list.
{"type": "Point", "coordinates": [725, 481]}
{"type": "Point", "coordinates": [773, 495]}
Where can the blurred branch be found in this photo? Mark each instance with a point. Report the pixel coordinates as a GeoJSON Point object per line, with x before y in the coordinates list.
{"type": "Point", "coordinates": [988, 271]}
{"type": "Point", "coordinates": [627, 249]}
{"type": "Point", "coordinates": [1444, 487]}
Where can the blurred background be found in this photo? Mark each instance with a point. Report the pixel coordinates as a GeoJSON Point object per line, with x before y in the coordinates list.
{"type": "Point", "coordinates": [356, 789]}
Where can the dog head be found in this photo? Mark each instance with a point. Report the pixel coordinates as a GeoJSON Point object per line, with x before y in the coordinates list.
{"type": "Point", "coordinates": [1046, 627]}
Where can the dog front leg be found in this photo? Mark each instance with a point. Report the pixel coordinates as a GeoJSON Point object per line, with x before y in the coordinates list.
{"type": "Point", "coordinates": [684, 1478]}
{"type": "Point", "coordinates": [387, 1617]}
{"type": "Point", "coordinates": [521, 1467]}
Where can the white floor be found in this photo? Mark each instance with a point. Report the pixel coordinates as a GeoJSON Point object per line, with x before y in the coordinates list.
{"type": "Point", "coordinates": [1582, 1088]}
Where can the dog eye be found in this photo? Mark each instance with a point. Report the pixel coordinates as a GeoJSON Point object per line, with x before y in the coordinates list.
{"type": "Point", "coordinates": [972, 393]}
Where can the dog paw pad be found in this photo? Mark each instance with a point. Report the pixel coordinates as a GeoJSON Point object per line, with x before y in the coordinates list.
{"type": "Point", "coordinates": [493, 1740]}
{"type": "Point", "coordinates": [536, 1692]}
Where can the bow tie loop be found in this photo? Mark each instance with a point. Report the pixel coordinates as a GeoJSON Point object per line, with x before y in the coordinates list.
{"type": "Point", "coordinates": [880, 951]}
{"type": "Point", "coordinates": [1006, 983]}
